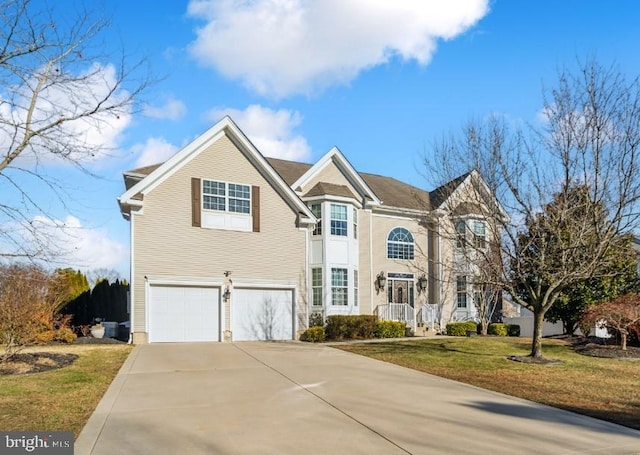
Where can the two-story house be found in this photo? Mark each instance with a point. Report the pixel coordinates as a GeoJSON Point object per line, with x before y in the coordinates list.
{"type": "Point", "coordinates": [228, 245]}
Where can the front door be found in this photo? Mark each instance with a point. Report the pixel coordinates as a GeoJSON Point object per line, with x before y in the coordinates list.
{"type": "Point", "coordinates": [400, 288]}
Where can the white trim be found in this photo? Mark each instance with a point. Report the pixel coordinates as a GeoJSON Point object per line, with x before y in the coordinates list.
{"type": "Point", "coordinates": [225, 127]}
{"type": "Point", "coordinates": [132, 275]}
{"type": "Point", "coordinates": [329, 197]}
{"type": "Point", "coordinates": [335, 155]}
{"type": "Point", "coordinates": [270, 285]}
{"type": "Point", "coordinates": [402, 211]}
{"type": "Point", "coordinates": [394, 217]}
{"type": "Point", "coordinates": [183, 281]}
{"type": "Point", "coordinates": [191, 282]}
{"type": "Point", "coordinates": [475, 174]}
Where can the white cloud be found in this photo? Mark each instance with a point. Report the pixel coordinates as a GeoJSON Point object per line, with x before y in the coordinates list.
{"type": "Point", "coordinates": [154, 150]}
{"type": "Point", "coordinates": [270, 131]}
{"type": "Point", "coordinates": [173, 109]}
{"type": "Point", "coordinates": [85, 139]}
{"type": "Point", "coordinates": [283, 47]}
{"type": "Point", "coordinates": [67, 243]}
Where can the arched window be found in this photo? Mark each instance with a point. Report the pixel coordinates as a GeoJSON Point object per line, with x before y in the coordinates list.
{"type": "Point", "coordinates": [400, 244]}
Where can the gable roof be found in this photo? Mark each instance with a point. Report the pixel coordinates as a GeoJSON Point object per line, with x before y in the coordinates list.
{"type": "Point", "coordinates": [389, 191]}
{"type": "Point", "coordinates": [323, 188]}
{"type": "Point", "coordinates": [156, 174]}
{"type": "Point", "coordinates": [394, 193]}
{"type": "Point", "coordinates": [438, 196]}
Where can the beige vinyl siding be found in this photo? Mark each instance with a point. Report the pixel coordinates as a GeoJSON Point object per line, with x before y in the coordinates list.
{"type": "Point", "coordinates": [382, 225]}
{"type": "Point", "coordinates": [365, 273]}
{"type": "Point", "coordinates": [166, 244]}
{"type": "Point", "coordinates": [330, 174]}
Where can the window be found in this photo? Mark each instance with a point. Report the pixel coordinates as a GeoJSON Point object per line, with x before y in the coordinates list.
{"type": "Point", "coordinates": [355, 288]}
{"type": "Point", "coordinates": [479, 234]}
{"type": "Point", "coordinates": [339, 220]}
{"type": "Point", "coordinates": [400, 244]}
{"type": "Point", "coordinates": [316, 209]}
{"type": "Point", "coordinates": [461, 291]}
{"type": "Point", "coordinates": [316, 286]}
{"type": "Point", "coordinates": [339, 287]}
{"type": "Point", "coordinates": [461, 234]}
{"type": "Point", "coordinates": [230, 197]}
{"type": "Point", "coordinates": [355, 223]}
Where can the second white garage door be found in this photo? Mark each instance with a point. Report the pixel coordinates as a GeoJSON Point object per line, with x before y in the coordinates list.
{"type": "Point", "coordinates": [262, 314]}
{"type": "Point", "coordinates": [183, 313]}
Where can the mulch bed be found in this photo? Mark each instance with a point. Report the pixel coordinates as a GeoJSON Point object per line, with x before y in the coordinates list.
{"type": "Point", "coordinates": [36, 362]}
{"type": "Point", "coordinates": [596, 347]}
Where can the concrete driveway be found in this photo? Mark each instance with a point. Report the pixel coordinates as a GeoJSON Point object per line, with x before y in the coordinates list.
{"type": "Point", "coordinates": [294, 398]}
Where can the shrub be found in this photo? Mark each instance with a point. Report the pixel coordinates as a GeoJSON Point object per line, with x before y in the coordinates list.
{"type": "Point", "coordinates": [316, 320]}
{"type": "Point", "coordinates": [314, 334]}
{"type": "Point", "coordinates": [390, 329]}
{"type": "Point", "coordinates": [497, 328]}
{"type": "Point", "coordinates": [513, 330]}
{"type": "Point", "coordinates": [341, 327]}
{"type": "Point", "coordinates": [460, 329]}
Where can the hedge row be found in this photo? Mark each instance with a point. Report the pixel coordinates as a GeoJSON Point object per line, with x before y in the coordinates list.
{"type": "Point", "coordinates": [346, 327]}
{"type": "Point", "coordinates": [460, 329]}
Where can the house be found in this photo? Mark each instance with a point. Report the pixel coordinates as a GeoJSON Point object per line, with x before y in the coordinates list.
{"type": "Point", "coordinates": [227, 245]}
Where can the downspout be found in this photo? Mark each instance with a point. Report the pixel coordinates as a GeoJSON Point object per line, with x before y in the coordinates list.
{"type": "Point", "coordinates": [131, 278]}
{"type": "Point", "coordinates": [371, 260]}
{"type": "Point", "coordinates": [307, 275]}
{"type": "Point", "coordinates": [439, 271]}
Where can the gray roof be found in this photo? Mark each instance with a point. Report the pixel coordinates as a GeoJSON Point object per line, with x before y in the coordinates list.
{"type": "Point", "coordinates": [392, 192]}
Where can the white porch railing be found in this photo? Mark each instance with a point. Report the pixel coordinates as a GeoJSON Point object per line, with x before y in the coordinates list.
{"type": "Point", "coordinates": [397, 312]}
{"type": "Point", "coordinates": [428, 315]}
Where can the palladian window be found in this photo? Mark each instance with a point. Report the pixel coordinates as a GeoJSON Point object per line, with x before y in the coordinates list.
{"type": "Point", "coordinates": [400, 244]}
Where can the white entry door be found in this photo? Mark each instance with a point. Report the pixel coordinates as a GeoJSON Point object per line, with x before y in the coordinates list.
{"type": "Point", "coordinates": [184, 313]}
{"type": "Point", "coordinates": [262, 314]}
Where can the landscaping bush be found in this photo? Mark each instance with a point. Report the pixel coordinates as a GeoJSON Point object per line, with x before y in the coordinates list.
{"type": "Point", "coordinates": [498, 328]}
{"type": "Point", "coordinates": [314, 334]}
{"type": "Point", "coordinates": [341, 327]}
{"type": "Point", "coordinates": [513, 330]}
{"type": "Point", "coordinates": [390, 329]}
{"type": "Point", "coordinates": [316, 320]}
{"type": "Point", "coordinates": [460, 329]}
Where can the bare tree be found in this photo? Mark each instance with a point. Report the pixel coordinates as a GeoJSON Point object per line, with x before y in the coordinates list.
{"type": "Point", "coordinates": [571, 189]}
{"type": "Point", "coordinates": [60, 96]}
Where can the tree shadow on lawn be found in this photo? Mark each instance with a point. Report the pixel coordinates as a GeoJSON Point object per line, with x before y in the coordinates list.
{"type": "Point", "coordinates": [570, 415]}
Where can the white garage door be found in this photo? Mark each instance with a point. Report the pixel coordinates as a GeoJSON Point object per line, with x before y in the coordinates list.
{"type": "Point", "coordinates": [262, 314]}
{"type": "Point", "coordinates": [183, 313]}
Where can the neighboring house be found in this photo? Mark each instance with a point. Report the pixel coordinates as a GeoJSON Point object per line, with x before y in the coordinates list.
{"type": "Point", "coordinates": [227, 245]}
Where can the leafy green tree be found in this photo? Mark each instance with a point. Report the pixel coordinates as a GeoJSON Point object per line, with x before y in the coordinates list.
{"type": "Point", "coordinates": [619, 279]}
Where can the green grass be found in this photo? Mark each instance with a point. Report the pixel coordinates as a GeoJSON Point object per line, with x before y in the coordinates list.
{"type": "Point", "coordinates": [62, 399]}
{"type": "Point", "coordinates": [608, 389]}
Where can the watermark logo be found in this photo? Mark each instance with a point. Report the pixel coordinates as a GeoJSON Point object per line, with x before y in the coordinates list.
{"type": "Point", "coordinates": [36, 442]}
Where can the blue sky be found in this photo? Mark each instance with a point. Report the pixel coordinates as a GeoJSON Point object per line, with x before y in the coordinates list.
{"type": "Point", "coordinates": [379, 82]}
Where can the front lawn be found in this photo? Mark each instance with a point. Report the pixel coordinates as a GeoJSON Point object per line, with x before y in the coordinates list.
{"type": "Point", "coordinates": [61, 399]}
{"type": "Point", "coordinates": [607, 389]}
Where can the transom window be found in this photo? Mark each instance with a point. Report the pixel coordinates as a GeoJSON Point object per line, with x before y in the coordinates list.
{"type": "Point", "coordinates": [339, 286]}
{"type": "Point", "coordinates": [316, 209]}
{"type": "Point", "coordinates": [461, 291]}
{"type": "Point", "coordinates": [316, 285]}
{"type": "Point", "coordinates": [400, 244]}
{"type": "Point", "coordinates": [222, 196]}
{"type": "Point", "coordinates": [339, 220]}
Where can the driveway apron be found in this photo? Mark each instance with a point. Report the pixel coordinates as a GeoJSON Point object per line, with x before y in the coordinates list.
{"type": "Point", "coordinates": [295, 398]}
